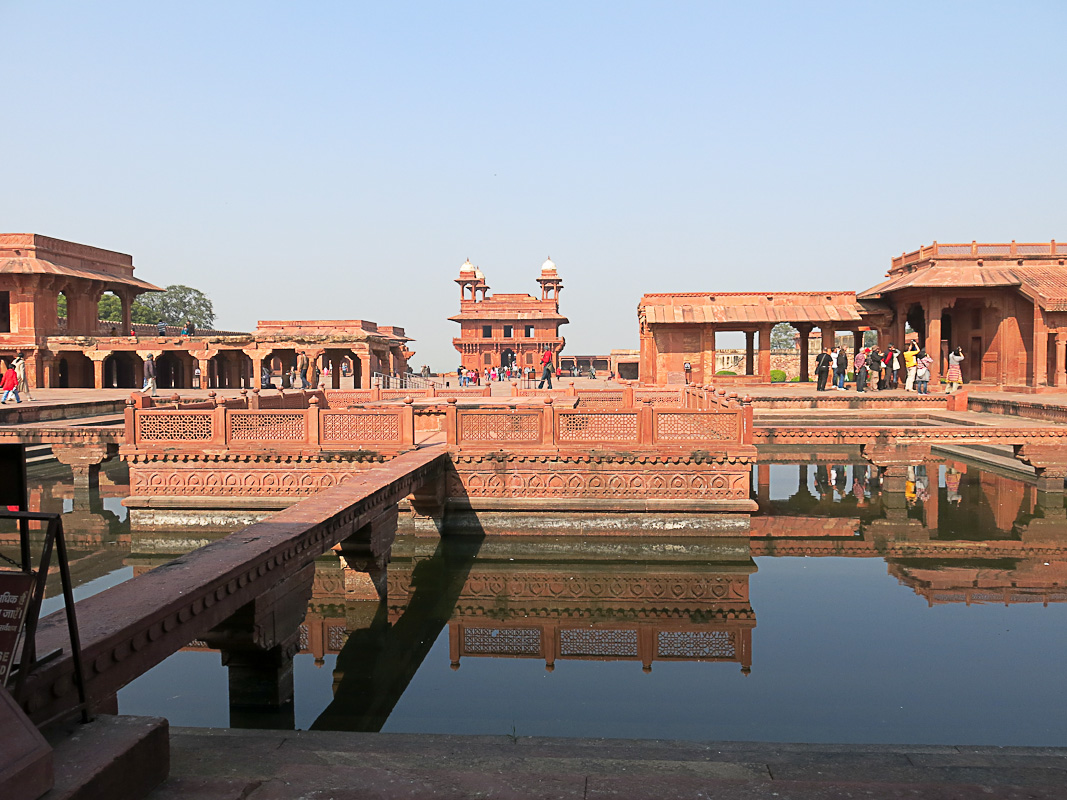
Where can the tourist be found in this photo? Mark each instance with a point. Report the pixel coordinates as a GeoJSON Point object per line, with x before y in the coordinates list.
{"type": "Point", "coordinates": [302, 362]}
{"type": "Point", "coordinates": [161, 326]}
{"type": "Point", "coordinates": [20, 372]}
{"type": "Point", "coordinates": [190, 328]}
{"type": "Point", "coordinates": [874, 368]}
{"type": "Point", "coordinates": [264, 378]}
{"type": "Point", "coordinates": [910, 354]}
{"type": "Point", "coordinates": [546, 369]}
{"type": "Point", "coordinates": [922, 372]}
{"type": "Point", "coordinates": [822, 369]}
{"type": "Point", "coordinates": [840, 369]}
{"type": "Point", "coordinates": [952, 486]}
{"type": "Point", "coordinates": [9, 383]}
{"type": "Point", "coordinates": [149, 375]}
{"type": "Point", "coordinates": [894, 366]}
{"type": "Point", "coordinates": [955, 374]}
{"type": "Point", "coordinates": [860, 367]}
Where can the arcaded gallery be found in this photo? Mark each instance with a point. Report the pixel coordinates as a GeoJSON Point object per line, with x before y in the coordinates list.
{"type": "Point", "coordinates": [1004, 304]}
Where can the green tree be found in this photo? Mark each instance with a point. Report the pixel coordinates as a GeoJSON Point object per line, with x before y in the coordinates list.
{"type": "Point", "coordinates": [783, 336]}
{"type": "Point", "coordinates": [174, 305]}
{"type": "Point", "coordinates": [109, 308]}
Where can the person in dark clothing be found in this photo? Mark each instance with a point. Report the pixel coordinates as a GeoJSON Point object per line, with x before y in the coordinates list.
{"type": "Point", "coordinates": [822, 369]}
{"type": "Point", "coordinates": [840, 369]}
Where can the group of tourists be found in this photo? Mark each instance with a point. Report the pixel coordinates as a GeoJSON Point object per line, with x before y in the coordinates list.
{"type": "Point", "coordinates": [13, 381]}
{"type": "Point", "coordinates": [188, 328]}
{"type": "Point", "coordinates": [831, 484]}
{"type": "Point", "coordinates": [876, 370]}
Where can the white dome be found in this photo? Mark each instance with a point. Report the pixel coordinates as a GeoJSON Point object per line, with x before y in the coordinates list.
{"type": "Point", "coordinates": [548, 266]}
{"type": "Point", "coordinates": [478, 274]}
{"type": "Point", "coordinates": [467, 267]}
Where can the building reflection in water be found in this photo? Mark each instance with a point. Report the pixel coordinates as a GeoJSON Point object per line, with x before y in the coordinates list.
{"type": "Point", "coordinates": [950, 532]}
{"type": "Point", "coordinates": [95, 526]}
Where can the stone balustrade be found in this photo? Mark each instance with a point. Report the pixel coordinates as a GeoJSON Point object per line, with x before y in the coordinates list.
{"type": "Point", "coordinates": [576, 428]}
{"type": "Point", "coordinates": [280, 429]}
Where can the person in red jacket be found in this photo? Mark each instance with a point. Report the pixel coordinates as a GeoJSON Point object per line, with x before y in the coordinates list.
{"type": "Point", "coordinates": [9, 383]}
{"type": "Point", "coordinates": [546, 369]}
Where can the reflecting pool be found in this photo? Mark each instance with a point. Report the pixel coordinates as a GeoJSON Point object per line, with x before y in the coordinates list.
{"type": "Point", "coordinates": [929, 613]}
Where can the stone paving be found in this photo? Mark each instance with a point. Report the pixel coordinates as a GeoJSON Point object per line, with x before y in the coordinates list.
{"type": "Point", "coordinates": [263, 765]}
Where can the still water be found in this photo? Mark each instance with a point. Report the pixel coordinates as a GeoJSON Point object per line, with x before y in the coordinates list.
{"type": "Point", "coordinates": [853, 614]}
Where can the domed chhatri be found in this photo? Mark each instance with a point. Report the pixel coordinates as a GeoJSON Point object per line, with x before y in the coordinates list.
{"type": "Point", "coordinates": [548, 268]}
{"type": "Point", "coordinates": [467, 269]}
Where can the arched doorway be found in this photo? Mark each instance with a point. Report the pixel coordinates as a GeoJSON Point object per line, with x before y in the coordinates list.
{"type": "Point", "coordinates": [507, 358]}
{"type": "Point", "coordinates": [121, 371]}
{"type": "Point", "coordinates": [171, 372]}
{"type": "Point", "coordinates": [916, 320]}
{"type": "Point", "coordinates": [74, 371]}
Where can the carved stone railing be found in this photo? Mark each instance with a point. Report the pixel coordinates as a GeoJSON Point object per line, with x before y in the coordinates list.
{"type": "Point", "coordinates": [271, 430]}
{"type": "Point", "coordinates": [980, 250]}
{"type": "Point", "coordinates": [576, 428]}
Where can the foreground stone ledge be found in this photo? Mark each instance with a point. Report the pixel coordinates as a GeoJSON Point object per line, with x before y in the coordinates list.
{"type": "Point", "coordinates": [212, 763]}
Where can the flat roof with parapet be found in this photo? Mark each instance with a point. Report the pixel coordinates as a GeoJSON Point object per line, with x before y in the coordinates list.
{"type": "Point", "coordinates": [329, 327]}
{"type": "Point", "coordinates": [1035, 269]}
{"type": "Point", "coordinates": [34, 254]}
{"type": "Point", "coordinates": [748, 308]}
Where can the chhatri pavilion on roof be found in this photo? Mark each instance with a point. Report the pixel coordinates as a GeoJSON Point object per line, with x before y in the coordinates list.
{"type": "Point", "coordinates": [1004, 304]}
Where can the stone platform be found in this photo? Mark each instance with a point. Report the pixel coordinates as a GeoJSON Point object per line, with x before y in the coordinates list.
{"type": "Point", "coordinates": [209, 764]}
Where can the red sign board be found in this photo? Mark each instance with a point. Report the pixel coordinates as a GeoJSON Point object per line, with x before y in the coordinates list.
{"type": "Point", "coordinates": [15, 588]}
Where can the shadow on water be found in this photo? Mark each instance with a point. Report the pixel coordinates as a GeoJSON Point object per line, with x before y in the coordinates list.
{"type": "Point", "coordinates": [378, 662]}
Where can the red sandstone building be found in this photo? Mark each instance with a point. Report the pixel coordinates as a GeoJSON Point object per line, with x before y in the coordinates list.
{"type": "Point", "coordinates": [80, 351]}
{"type": "Point", "coordinates": [502, 329]}
{"type": "Point", "coordinates": [1004, 304]}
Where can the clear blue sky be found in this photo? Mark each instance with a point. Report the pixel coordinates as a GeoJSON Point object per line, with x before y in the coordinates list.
{"type": "Point", "coordinates": [341, 160]}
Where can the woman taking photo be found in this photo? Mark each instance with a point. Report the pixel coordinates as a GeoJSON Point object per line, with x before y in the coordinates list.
{"type": "Point", "coordinates": [955, 375]}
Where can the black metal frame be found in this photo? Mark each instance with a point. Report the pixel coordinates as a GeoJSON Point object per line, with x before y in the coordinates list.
{"type": "Point", "coordinates": [29, 661]}
{"type": "Point", "coordinates": [14, 494]}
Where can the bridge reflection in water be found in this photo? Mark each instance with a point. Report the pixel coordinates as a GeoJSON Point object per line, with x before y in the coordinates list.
{"type": "Point", "coordinates": [526, 599]}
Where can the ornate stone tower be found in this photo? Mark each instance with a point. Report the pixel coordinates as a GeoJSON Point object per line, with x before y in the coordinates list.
{"type": "Point", "coordinates": [502, 329]}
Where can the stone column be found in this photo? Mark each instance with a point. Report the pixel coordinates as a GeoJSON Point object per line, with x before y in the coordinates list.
{"type": "Point", "coordinates": [97, 357]}
{"type": "Point", "coordinates": [1048, 461]}
{"type": "Point", "coordinates": [364, 371]}
{"type": "Point", "coordinates": [258, 644]}
{"type": "Point", "coordinates": [763, 484]}
{"type": "Point", "coordinates": [750, 340]}
{"type": "Point", "coordinates": [126, 301]}
{"type": "Point", "coordinates": [365, 557]}
{"type": "Point", "coordinates": [84, 461]}
{"type": "Point", "coordinates": [805, 337]}
{"type": "Point", "coordinates": [428, 504]}
{"type": "Point", "coordinates": [827, 336]}
{"type": "Point", "coordinates": [933, 341]}
{"type": "Point", "coordinates": [765, 353]}
{"type": "Point", "coordinates": [857, 344]}
{"type": "Point", "coordinates": [1040, 348]}
{"type": "Point", "coordinates": [1061, 359]}
{"type": "Point", "coordinates": [709, 367]}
